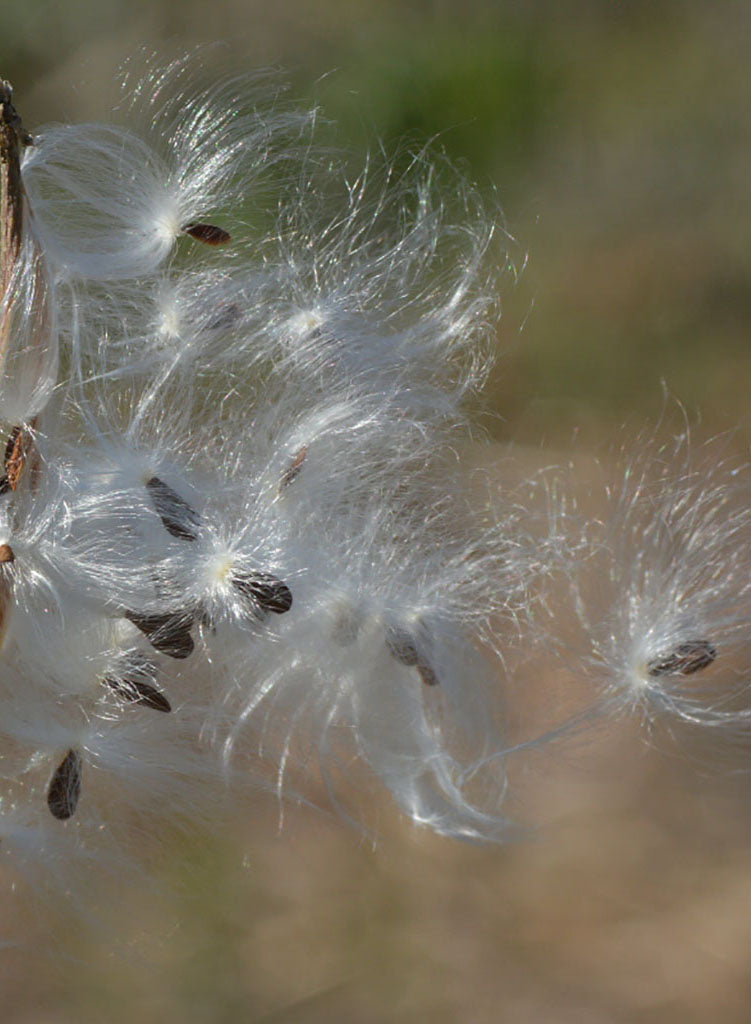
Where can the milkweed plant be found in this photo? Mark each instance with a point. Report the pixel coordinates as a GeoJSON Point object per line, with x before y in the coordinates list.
{"type": "Point", "coordinates": [239, 543]}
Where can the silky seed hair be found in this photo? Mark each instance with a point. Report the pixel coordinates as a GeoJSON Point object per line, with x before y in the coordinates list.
{"type": "Point", "coordinates": [241, 543]}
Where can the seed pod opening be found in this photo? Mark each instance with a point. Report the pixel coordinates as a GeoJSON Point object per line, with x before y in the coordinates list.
{"type": "Point", "coordinates": [263, 591]}
{"type": "Point", "coordinates": [179, 518]}
{"type": "Point", "coordinates": [65, 787]}
{"type": "Point", "coordinates": [689, 657]}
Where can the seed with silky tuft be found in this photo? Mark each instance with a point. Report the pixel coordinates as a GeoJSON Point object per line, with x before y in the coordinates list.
{"type": "Point", "coordinates": [168, 633]}
{"type": "Point", "coordinates": [179, 518]}
{"type": "Point", "coordinates": [687, 658]}
{"type": "Point", "coordinates": [131, 684]}
{"type": "Point", "coordinates": [65, 787]}
{"type": "Point", "coordinates": [401, 646]}
{"type": "Point", "coordinates": [264, 591]}
{"type": "Point", "coordinates": [293, 470]}
{"type": "Point", "coordinates": [17, 449]}
{"type": "Point", "coordinates": [210, 234]}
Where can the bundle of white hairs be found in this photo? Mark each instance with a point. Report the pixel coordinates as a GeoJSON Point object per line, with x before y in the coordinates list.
{"type": "Point", "coordinates": [237, 542]}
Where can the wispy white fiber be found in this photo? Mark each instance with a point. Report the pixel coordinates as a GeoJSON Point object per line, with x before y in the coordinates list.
{"type": "Point", "coordinates": [239, 544]}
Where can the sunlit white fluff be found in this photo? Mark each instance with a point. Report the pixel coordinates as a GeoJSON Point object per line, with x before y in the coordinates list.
{"type": "Point", "coordinates": [661, 589]}
{"type": "Point", "coordinates": [244, 546]}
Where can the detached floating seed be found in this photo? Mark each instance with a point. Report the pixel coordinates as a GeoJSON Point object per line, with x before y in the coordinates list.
{"type": "Point", "coordinates": [179, 518]}
{"type": "Point", "coordinates": [132, 686]}
{"type": "Point", "coordinates": [265, 591]}
{"type": "Point", "coordinates": [687, 658]}
{"type": "Point", "coordinates": [207, 233]}
{"type": "Point", "coordinates": [6, 554]}
{"type": "Point", "coordinates": [169, 634]}
{"type": "Point", "coordinates": [292, 471]}
{"type": "Point", "coordinates": [65, 787]}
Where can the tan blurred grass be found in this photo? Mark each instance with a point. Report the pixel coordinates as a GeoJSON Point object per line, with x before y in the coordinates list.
{"type": "Point", "coordinates": [626, 901]}
{"type": "Point", "coordinates": [626, 178]}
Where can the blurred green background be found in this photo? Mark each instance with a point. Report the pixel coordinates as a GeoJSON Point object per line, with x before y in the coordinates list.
{"type": "Point", "coordinates": [618, 137]}
{"type": "Point", "coordinates": [617, 134]}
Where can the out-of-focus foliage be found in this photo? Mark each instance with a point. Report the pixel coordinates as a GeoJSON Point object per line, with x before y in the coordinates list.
{"type": "Point", "coordinates": [617, 136]}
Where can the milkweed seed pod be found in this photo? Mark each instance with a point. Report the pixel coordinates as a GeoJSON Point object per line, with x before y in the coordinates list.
{"type": "Point", "coordinates": [28, 327]}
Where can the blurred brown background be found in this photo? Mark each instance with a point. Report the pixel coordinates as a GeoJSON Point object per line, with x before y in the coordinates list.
{"type": "Point", "coordinates": [618, 137]}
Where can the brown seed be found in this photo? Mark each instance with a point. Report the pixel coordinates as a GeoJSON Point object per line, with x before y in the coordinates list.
{"type": "Point", "coordinates": [12, 139]}
{"type": "Point", "coordinates": [427, 674]}
{"type": "Point", "coordinates": [226, 316]}
{"type": "Point", "coordinates": [264, 591]}
{"type": "Point", "coordinates": [6, 554]}
{"type": "Point", "coordinates": [65, 786]}
{"type": "Point", "coordinates": [293, 470]}
{"type": "Point", "coordinates": [401, 646]}
{"type": "Point", "coordinates": [208, 233]}
{"type": "Point", "coordinates": [686, 659]}
{"type": "Point", "coordinates": [169, 633]}
{"type": "Point", "coordinates": [178, 517]}
{"type": "Point", "coordinates": [17, 451]}
{"type": "Point", "coordinates": [138, 692]}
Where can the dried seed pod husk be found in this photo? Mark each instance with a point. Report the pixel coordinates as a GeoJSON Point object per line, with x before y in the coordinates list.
{"type": "Point", "coordinates": [19, 451]}
{"type": "Point", "coordinates": [179, 518]}
{"type": "Point", "coordinates": [687, 658]}
{"type": "Point", "coordinates": [6, 605]}
{"type": "Point", "coordinates": [29, 346]}
{"type": "Point", "coordinates": [65, 786]}
{"type": "Point", "coordinates": [263, 591]}
{"type": "Point", "coordinates": [168, 633]}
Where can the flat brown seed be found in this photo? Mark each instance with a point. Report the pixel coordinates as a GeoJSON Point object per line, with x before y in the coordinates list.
{"type": "Point", "coordinates": [137, 692]}
{"type": "Point", "coordinates": [427, 674]}
{"type": "Point", "coordinates": [264, 590]}
{"type": "Point", "coordinates": [65, 787]}
{"type": "Point", "coordinates": [6, 554]}
{"type": "Point", "coordinates": [169, 633]}
{"type": "Point", "coordinates": [687, 658]}
{"type": "Point", "coordinates": [179, 518]}
{"type": "Point", "coordinates": [293, 470]}
{"type": "Point", "coordinates": [17, 450]}
{"type": "Point", "coordinates": [226, 316]}
{"type": "Point", "coordinates": [210, 234]}
{"type": "Point", "coordinates": [401, 646]}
